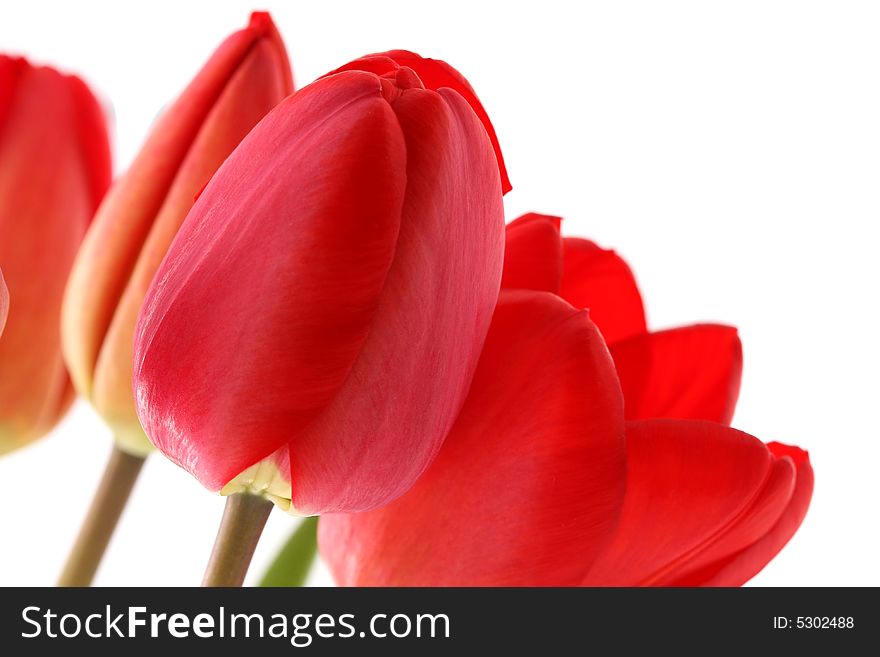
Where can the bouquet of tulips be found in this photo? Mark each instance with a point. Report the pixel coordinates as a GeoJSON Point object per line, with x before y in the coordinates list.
{"type": "Point", "coordinates": [308, 299]}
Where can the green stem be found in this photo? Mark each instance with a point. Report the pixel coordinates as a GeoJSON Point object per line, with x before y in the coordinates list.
{"type": "Point", "coordinates": [243, 520]}
{"type": "Point", "coordinates": [101, 519]}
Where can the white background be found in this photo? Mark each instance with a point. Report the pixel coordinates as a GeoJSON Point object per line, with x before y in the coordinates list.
{"type": "Point", "coordinates": [730, 151]}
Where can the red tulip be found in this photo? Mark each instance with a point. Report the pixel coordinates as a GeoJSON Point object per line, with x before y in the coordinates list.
{"type": "Point", "coordinates": [54, 169]}
{"type": "Point", "coordinates": [536, 486]}
{"type": "Point", "coordinates": [692, 372]}
{"type": "Point", "coordinates": [247, 76]}
{"type": "Point", "coordinates": [313, 330]}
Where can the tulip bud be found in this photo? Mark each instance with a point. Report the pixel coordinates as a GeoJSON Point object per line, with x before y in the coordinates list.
{"type": "Point", "coordinates": [313, 331]}
{"type": "Point", "coordinates": [54, 169]}
{"type": "Point", "coordinates": [246, 77]}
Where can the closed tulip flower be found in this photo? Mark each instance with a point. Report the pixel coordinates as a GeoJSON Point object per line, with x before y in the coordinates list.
{"type": "Point", "coordinates": [691, 372]}
{"type": "Point", "coordinates": [54, 169]}
{"type": "Point", "coordinates": [245, 78]}
{"type": "Point", "coordinates": [312, 332]}
{"type": "Point", "coordinates": [543, 482]}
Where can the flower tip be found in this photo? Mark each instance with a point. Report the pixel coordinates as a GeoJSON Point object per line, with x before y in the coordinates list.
{"type": "Point", "coordinates": [261, 21]}
{"type": "Point", "coordinates": [261, 26]}
{"type": "Point", "coordinates": [406, 78]}
{"type": "Point", "coordinates": [397, 81]}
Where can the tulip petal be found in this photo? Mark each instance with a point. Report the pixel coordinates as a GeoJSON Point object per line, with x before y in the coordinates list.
{"type": "Point", "coordinates": [257, 83]}
{"type": "Point", "coordinates": [246, 77]}
{"type": "Point", "coordinates": [435, 74]}
{"type": "Point", "coordinates": [286, 300]}
{"type": "Point", "coordinates": [533, 253]}
{"type": "Point", "coordinates": [696, 492]}
{"type": "Point", "coordinates": [527, 486]}
{"type": "Point", "coordinates": [741, 567]}
{"type": "Point", "coordinates": [600, 280]}
{"type": "Point", "coordinates": [411, 377]}
{"type": "Point", "coordinates": [692, 372]}
{"type": "Point", "coordinates": [50, 136]}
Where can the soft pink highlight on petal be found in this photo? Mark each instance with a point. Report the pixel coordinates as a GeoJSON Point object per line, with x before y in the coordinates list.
{"type": "Point", "coordinates": [388, 421]}
{"type": "Point", "coordinates": [269, 290]}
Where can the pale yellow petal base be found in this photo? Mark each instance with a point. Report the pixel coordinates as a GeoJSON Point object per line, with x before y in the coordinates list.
{"type": "Point", "coordinates": [264, 479]}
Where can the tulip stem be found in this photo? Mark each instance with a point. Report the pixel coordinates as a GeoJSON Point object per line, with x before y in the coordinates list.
{"type": "Point", "coordinates": [120, 474]}
{"type": "Point", "coordinates": [243, 520]}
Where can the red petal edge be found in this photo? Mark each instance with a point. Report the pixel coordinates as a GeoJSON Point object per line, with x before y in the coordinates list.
{"type": "Point", "coordinates": [697, 493]}
{"type": "Point", "coordinates": [435, 74]}
{"type": "Point", "coordinates": [600, 280]}
{"type": "Point", "coordinates": [692, 372]}
{"type": "Point", "coordinates": [533, 253]}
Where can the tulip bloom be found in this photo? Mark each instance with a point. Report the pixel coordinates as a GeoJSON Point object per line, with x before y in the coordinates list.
{"type": "Point", "coordinates": [312, 332]}
{"type": "Point", "coordinates": [54, 169]}
{"type": "Point", "coordinates": [245, 78]}
{"type": "Point", "coordinates": [692, 372]}
{"type": "Point", "coordinates": [543, 482]}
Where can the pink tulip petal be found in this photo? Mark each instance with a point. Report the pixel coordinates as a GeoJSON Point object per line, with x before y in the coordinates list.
{"type": "Point", "coordinates": [269, 290]}
{"type": "Point", "coordinates": [411, 377]}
